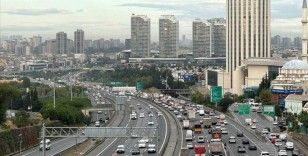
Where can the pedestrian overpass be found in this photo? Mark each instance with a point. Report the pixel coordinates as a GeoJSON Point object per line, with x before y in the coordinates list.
{"type": "Point", "coordinates": [103, 108]}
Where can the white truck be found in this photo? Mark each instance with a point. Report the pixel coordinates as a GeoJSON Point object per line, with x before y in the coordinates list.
{"type": "Point", "coordinates": [186, 124]}
{"type": "Point", "coordinates": [191, 114]}
{"type": "Point", "coordinates": [201, 112]}
{"type": "Point", "coordinates": [189, 135]}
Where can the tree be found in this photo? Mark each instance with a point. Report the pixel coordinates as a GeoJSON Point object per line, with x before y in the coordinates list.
{"type": "Point", "coordinates": [197, 97]}
{"type": "Point", "coordinates": [25, 82]}
{"type": "Point", "coordinates": [265, 96]}
{"type": "Point", "coordinates": [303, 118]}
{"type": "Point", "coordinates": [22, 118]}
{"type": "Point", "coordinates": [225, 103]}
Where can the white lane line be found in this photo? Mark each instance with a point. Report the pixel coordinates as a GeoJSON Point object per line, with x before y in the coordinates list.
{"type": "Point", "coordinates": [112, 141]}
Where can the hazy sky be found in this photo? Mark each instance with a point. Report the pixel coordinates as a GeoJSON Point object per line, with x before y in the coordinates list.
{"type": "Point", "coordinates": [111, 18]}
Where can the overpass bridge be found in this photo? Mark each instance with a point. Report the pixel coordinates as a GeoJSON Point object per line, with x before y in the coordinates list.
{"type": "Point", "coordinates": [104, 107]}
{"type": "Point", "coordinates": [176, 91]}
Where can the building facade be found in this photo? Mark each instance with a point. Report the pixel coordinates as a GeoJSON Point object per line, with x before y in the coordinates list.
{"type": "Point", "coordinates": [305, 32]}
{"type": "Point", "coordinates": [218, 37]}
{"type": "Point", "coordinates": [79, 41]}
{"type": "Point", "coordinates": [140, 35]}
{"type": "Point", "coordinates": [248, 36]}
{"type": "Point", "coordinates": [61, 41]}
{"type": "Point", "coordinates": [201, 38]}
{"type": "Point", "coordinates": [168, 36]}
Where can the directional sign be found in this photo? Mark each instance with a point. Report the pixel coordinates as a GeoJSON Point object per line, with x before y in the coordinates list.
{"type": "Point", "coordinates": [244, 109]}
{"type": "Point", "coordinates": [269, 110]}
{"type": "Point", "coordinates": [216, 94]}
{"type": "Point", "coordinates": [140, 86]}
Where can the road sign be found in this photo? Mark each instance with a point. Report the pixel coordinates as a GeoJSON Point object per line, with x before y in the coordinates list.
{"type": "Point", "coordinates": [216, 94]}
{"type": "Point", "coordinates": [244, 109]}
{"type": "Point", "coordinates": [140, 86]}
{"type": "Point", "coordinates": [269, 110]}
{"type": "Point", "coordinates": [115, 84]}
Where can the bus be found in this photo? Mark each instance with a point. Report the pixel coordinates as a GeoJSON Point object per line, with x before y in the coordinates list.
{"type": "Point", "coordinates": [197, 128]}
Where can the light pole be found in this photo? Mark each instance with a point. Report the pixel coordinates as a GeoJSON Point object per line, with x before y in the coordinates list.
{"type": "Point", "coordinates": [20, 141]}
{"type": "Point", "coordinates": [54, 95]}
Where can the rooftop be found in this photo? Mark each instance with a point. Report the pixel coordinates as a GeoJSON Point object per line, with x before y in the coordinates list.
{"type": "Point", "coordinates": [264, 62]}
{"type": "Point", "coordinates": [295, 64]}
{"type": "Point", "coordinates": [297, 97]}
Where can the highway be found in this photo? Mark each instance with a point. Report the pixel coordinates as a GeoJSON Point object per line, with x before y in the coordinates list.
{"type": "Point", "coordinates": [108, 147]}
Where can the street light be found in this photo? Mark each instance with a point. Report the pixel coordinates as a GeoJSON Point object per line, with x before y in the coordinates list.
{"type": "Point", "coordinates": [20, 141]}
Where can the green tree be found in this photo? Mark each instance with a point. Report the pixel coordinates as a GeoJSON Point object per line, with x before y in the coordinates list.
{"type": "Point", "coordinates": [25, 82]}
{"type": "Point", "coordinates": [265, 96]}
{"type": "Point", "coordinates": [7, 93]}
{"type": "Point", "coordinates": [198, 97]}
{"type": "Point", "coordinates": [225, 103]}
{"type": "Point", "coordinates": [303, 118]}
{"type": "Point", "coordinates": [22, 118]}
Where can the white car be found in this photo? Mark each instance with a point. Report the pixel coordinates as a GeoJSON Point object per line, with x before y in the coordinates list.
{"type": "Point", "coordinates": [151, 115]}
{"type": "Point", "coordinates": [159, 113]}
{"type": "Point", "coordinates": [97, 124]}
{"type": "Point", "coordinates": [146, 140]}
{"type": "Point", "coordinates": [224, 131]}
{"type": "Point", "coordinates": [141, 115]}
{"type": "Point", "coordinates": [151, 148]}
{"type": "Point", "coordinates": [225, 122]}
{"type": "Point", "coordinates": [282, 153]}
{"type": "Point", "coordinates": [190, 145]}
{"type": "Point", "coordinates": [289, 145]}
{"type": "Point", "coordinates": [47, 144]}
{"type": "Point", "coordinates": [120, 149]}
{"type": "Point", "coordinates": [151, 107]}
{"type": "Point", "coordinates": [150, 123]}
{"type": "Point", "coordinates": [232, 139]}
{"type": "Point", "coordinates": [278, 142]}
{"type": "Point", "coordinates": [275, 123]}
{"type": "Point", "coordinates": [200, 139]}
{"type": "Point", "coordinates": [142, 143]}
{"type": "Point", "coordinates": [265, 131]}
{"type": "Point", "coordinates": [264, 153]}
{"type": "Point", "coordinates": [253, 126]}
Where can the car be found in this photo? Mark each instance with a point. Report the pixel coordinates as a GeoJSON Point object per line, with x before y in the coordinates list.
{"type": "Point", "coordinates": [239, 134]}
{"type": "Point", "coordinates": [252, 147]}
{"type": "Point", "coordinates": [245, 141]}
{"type": "Point", "coordinates": [151, 115]}
{"type": "Point", "coordinates": [200, 139]}
{"type": "Point", "coordinates": [100, 119]}
{"type": "Point", "coordinates": [120, 149]}
{"type": "Point", "coordinates": [241, 149]}
{"type": "Point", "coordinates": [278, 142]}
{"type": "Point", "coordinates": [253, 126]}
{"type": "Point", "coordinates": [47, 144]}
{"type": "Point", "coordinates": [275, 123]}
{"type": "Point", "coordinates": [150, 123]}
{"type": "Point", "coordinates": [151, 148]}
{"type": "Point", "coordinates": [254, 120]}
{"type": "Point", "coordinates": [141, 115]}
{"type": "Point", "coordinates": [264, 153]}
{"type": "Point", "coordinates": [225, 122]}
{"type": "Point", "coordinates": [289, 145]}
{"type": "Point", "coordinates": [142, 143]}
{"type": "Point", "coordinates": [190, 145]}
{"type": "Point", "coordinates": [282, 153]}
{"type": "Point", "coordinates": [224, 131]}
{"type": "Point", "coordinates": [97, 124]}
{"type": "Point", "coordinates": [232, 139]}
{"type": "Point", "coordinates": [151, 107]}
{"type": "Point", "coordinates": [99, 112]}
{"type": "Point", "coordinates": [265, 131]}
{"type": "Point", "coordinates": [295, 152]}
{"type": "Point", "coordinates": [159, 113]}
{"type": "Point", "coordinates": [146, 140]}
{"type": "Point", "coordinates": [135, 152]}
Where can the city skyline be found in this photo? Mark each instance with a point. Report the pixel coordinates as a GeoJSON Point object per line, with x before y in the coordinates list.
{"type": "Point", "coordinates": [29, 21]}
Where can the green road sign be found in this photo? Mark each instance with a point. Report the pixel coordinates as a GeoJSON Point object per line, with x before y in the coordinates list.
{"type": "Point", "coordinates": [243, 109]}
{"type": "Point", "coordinates": [269, 110]}
{"type": "Point", "coordinates": [140, 86]}
{"type": "Point", "coordinates": [116, 84]}
{"type": "Point", "coordinates": [216, 94]}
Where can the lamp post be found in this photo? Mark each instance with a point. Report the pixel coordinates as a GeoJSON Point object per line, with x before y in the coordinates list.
{"type": "Point", "coordinates": [20, 141]}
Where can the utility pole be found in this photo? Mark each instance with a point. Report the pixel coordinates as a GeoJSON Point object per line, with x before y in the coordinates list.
{"type": "Point", "coordinates": [54, 95]}
{"type": "Point", "coordinates": [71, 91]}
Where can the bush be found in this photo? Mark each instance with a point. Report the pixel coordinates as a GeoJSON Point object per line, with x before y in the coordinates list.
{"type": "Point", "coordinates": [22, 118]}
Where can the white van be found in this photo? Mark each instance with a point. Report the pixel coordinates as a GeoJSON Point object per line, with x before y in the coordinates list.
{"type": "Point", "coordinates": [47, 144]}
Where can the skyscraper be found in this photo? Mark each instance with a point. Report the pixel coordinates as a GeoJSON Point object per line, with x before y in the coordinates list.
{"type": "Point", "coordinates": [305, 32]}
{"type": "Point", "coordinates": [140, 35]}
{"type": "Point", "coordinates": [248, 36]}
{"type": "Point", "coordinates": [61, 41]}
{"type": "Point", "coordinates": [168, 36]}
{"type": "Point", "coordinates": [218, 37]}
{"type": "Point", "coordinates": [201, 38]}
{"type": "Point", "coordinates": [79, 41]}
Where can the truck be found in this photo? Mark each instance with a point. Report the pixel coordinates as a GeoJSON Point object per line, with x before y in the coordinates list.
{"type": "Point", "coordinates": [201, 112]}
{"type": "Point", "coordinates": [197, 128]}
{"type": "Point", "coordinates": [189, 135]}
{"type": "Point", "coordinates": [207, 122]}
{"type": "Point", "coordinates": [214, 120]}
{"type": "Point", "coordinates": [216, 145]}
{"type": "Point", "coordinates": [200, 150]}
{"type": "Point", "coordinates": [186, 124]}
{"type": "Point", "coordinates": [191, 114]}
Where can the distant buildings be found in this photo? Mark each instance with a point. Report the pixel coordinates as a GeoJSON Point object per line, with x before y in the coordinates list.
{"type": "Point", "coordinates": [79, 41]}
{"type": "Point", "coordinates": [140, 35]}
{"type": "Point", "coordinates": [61, 41]}
{"type": "Point", "coordinates": [168, 36]}
{"type": "Point", "coordinates": [128, 44]}
{"type": "Point", "coordinates": [201, 38]}
{"type": "Point", "coordinates": [286, 43]}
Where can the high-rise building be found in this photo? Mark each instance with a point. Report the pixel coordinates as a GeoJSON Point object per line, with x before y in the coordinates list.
{"type": "Point", "coordinates": [168, 36]}
{"type": "Point", "coordinates": [79, 41]}
{"type": "Point", "coordinates": [201, 38]}
{"type": "Point", "coordinates": [276, 41]}
{"type": "Point", "coordinates": [127, 43]}
{"type": "Point", "coordinates": [248, 36]}
{"type": "Point", "coordinates": [218, 37]}
{"type": "Point", "coordinates": [36, 41]}
{"type": "Point", "coordinates": [286, 43]}
{"type": "Point", "coordinates": [140, 35]}
{"type": "Point", "coordinates": [297, 43]}
{"type": "Point", "coordinates": [61, 41]}
{"type": "Point", "coordinates": [305, 32]}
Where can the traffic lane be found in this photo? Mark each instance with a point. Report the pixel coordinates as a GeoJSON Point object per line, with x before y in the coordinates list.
{"type": "Point", "coordinates": [129, 141]}
{"type": "Point", "coordinates": [56, 147]}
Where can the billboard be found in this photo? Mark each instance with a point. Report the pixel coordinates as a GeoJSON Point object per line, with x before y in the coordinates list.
{"type": "Point", "coordinates": [216, 94]}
